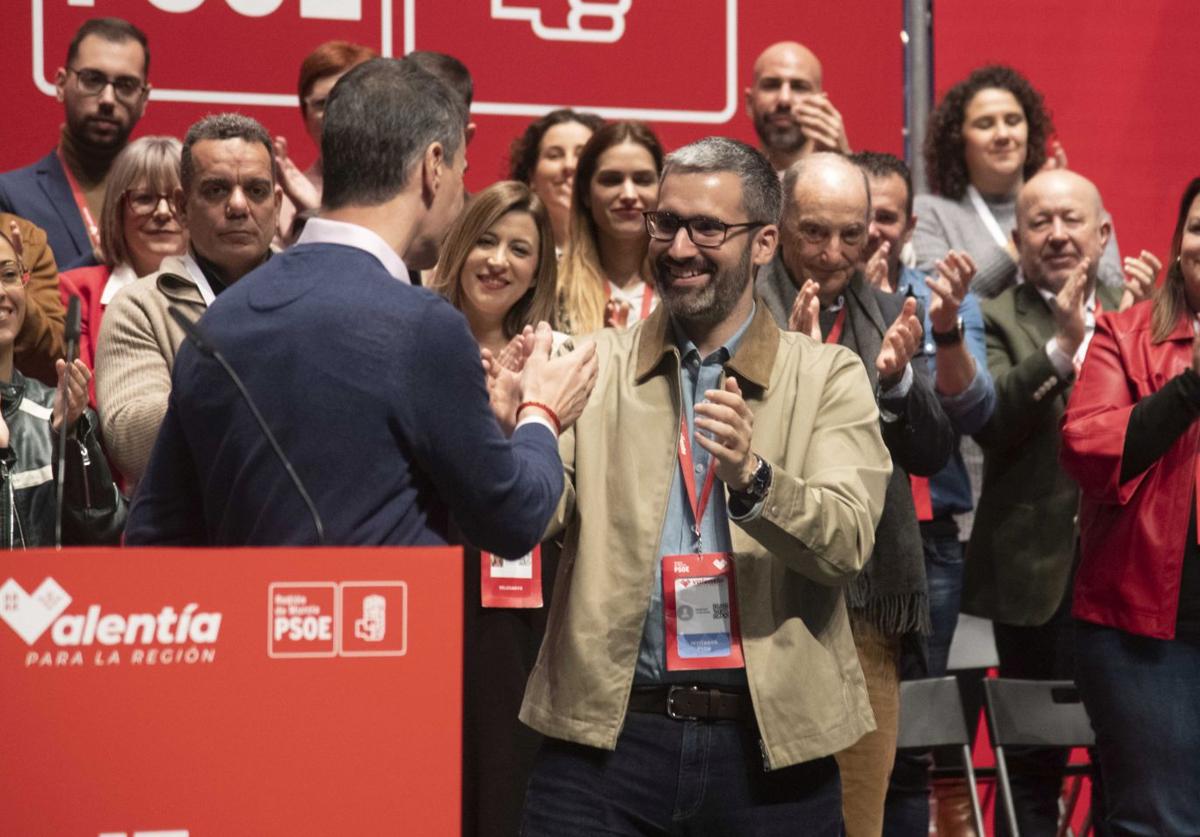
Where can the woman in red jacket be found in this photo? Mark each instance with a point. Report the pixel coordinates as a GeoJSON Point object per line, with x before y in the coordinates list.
{"type": "Point", "coordinates": [1130, 437]}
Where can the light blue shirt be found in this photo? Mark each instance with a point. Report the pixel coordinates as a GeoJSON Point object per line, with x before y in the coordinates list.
{"type": "Point", "coordinates": [695, 376]}
{"type": "Point", "coordinates": [950, 488]}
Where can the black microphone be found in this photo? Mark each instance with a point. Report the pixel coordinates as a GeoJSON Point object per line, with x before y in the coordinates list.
{"type": "Point", "coordinates": [206, 348]}
{"type": "Point", "coordinates": [71, 337]}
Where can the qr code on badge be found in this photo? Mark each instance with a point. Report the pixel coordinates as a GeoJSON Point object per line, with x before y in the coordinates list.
{"type": "Point", "coordinates": [721, 610]}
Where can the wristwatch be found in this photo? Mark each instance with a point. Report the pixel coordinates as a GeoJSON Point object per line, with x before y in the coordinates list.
{"type": "Point", "coordinates": [760, 483]}
{"type": "Point", "coordinates": [949, 338]}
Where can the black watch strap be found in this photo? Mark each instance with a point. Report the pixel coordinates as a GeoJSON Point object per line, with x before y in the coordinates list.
{"type": "Point", "coordinates": [949, 338]}
{"type": "Point", "coordinates": [760, 483]}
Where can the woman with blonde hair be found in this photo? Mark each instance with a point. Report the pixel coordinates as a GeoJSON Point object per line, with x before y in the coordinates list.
{"type": "Point", "coordinates": [497, 264]}
{"type": "Point", "coordinates": [138, 229]}
{"type": "Point", "coordinates": [606, 280]}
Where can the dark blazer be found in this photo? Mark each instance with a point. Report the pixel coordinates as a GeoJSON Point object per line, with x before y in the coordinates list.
{"type": "Point", "coordinates": [375, 391]}
{"type": "Point", "coordinates": [40, 193]}
{"type": "Point", "coordinates": [1022, 546]}
{"type": "Point", "coordinates": [920, 439]}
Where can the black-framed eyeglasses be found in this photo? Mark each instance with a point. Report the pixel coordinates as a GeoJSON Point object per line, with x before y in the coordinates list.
{"type": "Point", "coordinates": [702, 230]}
{"type": "Point", "coordinates": [144, 202]}
{"type": "Point", "coordinates": [92, 83]}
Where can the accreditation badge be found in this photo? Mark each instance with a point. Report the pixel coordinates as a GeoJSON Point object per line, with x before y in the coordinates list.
{"type": "Point", "coordinates": [701, 612]}
{"type": "Point", "coordinates": [511, 583]}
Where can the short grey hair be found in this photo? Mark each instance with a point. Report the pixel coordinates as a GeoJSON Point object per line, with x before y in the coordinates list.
{"type": "Point", "coordinates": [762, 196]}
{"type": "Point", "coordinates": [222, 126]}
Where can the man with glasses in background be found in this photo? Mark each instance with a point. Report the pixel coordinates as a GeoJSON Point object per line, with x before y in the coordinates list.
{"type": "Point", "coordinates": [103, 89]}
{"type": "Point", "coordinates": [722, 489]}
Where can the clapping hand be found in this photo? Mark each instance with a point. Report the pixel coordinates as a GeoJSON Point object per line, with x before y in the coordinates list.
{"type": "Point", "coordinates": [821, 123]}
{"type": "Point", "coordinates": [806, 311]}
{"type": "Point", "coordinates": [900, 343]}
{"type": "Point", "coordinates": [1141, 272]}
{"type": "Point", "coordinates": [562, 383]}
{"type": "Point", "coordinates": [724, 427]}
{"type": "Point", "coordinates": [949, 287]}
{"type": "Point", "coordinates": [1056, 159]}
{"type": "Point", "coordinates": [876, 270]}
{"type": "Point", "coordinates": [1070, 309]}
{"type": "Point", "coordinates": [295, 185]}
{"type": "Point", "coordinates": [616, 313]}
{"type": "Point", "coordinates": [18, 244]}
{"type": "Point", "coordinates": [76, 377]}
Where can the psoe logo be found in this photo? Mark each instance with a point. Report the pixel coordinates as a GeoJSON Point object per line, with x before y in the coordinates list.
{"type": "Point", "coordinates": [152, 638]}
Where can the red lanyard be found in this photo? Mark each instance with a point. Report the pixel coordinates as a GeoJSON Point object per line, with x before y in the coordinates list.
{"type": "Point", "coordinates": [689, 480]}
{"type": "Point", "coordinates": [89, 222]}
{"type": "Point", "coordinates": [647, 297]}
{"type": "Point", "coordinates": [835, 333]}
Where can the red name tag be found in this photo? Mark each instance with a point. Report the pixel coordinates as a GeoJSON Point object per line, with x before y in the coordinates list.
{"type": "Point", "coordinates": [701, 612]}
{"type": "Point", "coordinates": [516, 583]}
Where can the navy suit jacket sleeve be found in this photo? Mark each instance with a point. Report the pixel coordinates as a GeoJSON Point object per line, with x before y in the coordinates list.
{"type": "Point", "coordinates": [501, 493]}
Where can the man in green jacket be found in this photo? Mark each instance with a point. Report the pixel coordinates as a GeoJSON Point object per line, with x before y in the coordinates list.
{"type": "Point", "coordinates": [1022, 548]}
{"type": "Point", "coordinates": [723, 486]}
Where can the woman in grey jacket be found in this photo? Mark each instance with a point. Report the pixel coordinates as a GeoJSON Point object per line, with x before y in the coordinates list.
{"type": "Point", "coordinates": [986, 137]}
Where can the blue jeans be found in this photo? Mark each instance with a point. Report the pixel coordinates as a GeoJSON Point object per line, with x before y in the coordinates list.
{"type": "Point", "coordinates": [1143, 696]}
{"type": "Point", "coordinates": [669, 777]}
{"type": "Point", "coordinates": [906, 811]}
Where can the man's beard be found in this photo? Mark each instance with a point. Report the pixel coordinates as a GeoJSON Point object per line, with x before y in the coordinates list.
{"type": "Point", "coordinates": [707, 306]}
{"type": "Point", "coordinates": [786, 139]}
{"type": "Point", "coordinates": [82, 132]}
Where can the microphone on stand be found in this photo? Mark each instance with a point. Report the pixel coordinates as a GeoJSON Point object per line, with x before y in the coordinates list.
{"type": "Point", "coordinates": [71, 338]}
{"type": "Point", "coordinates": [206, 348]}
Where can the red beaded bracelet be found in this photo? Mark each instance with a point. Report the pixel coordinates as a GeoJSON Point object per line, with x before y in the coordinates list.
{"type": "Point", "coordinates": [545, 409]}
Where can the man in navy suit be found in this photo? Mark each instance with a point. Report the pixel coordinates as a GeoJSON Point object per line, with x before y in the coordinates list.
{"type": "Point", "coordinates": [374, 388]}
{"type": "Point", "coordinates": [103, 90]}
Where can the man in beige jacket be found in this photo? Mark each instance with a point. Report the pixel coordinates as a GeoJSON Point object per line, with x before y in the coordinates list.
{"type": "Point", "coordinates": [227, 202]}
{"type": "Point", "coordinates": [723, 485]}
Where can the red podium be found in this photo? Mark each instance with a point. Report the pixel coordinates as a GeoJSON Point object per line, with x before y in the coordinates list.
{"type": "Point", "coordinates": [230, 692]}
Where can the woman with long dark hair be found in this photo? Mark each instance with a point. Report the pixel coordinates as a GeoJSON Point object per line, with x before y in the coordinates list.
{"type": "Point", "coordinates": [1131, 439]}
{"type": "Point", "coordinates": [605, 278]}
{"type": "Point", "coordinates": [545, 157]}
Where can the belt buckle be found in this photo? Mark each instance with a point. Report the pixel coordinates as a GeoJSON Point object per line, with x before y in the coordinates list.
{"type": "Point", "coordinates": [671, 692]}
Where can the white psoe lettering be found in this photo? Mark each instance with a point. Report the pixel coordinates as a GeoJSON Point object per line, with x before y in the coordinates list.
{"type": "Point", "coordinates": [303, 627]}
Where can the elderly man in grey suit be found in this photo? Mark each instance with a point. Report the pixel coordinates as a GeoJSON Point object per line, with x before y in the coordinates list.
{"type": "Point", "coordinates": [815, 286]}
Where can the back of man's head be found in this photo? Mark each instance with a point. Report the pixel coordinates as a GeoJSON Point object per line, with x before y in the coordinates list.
{"type": "Point", "coordinates": [113, 29]}
{"type": "Point", "coordinates": [221, 126]}
{"type": "Point", "coordinates": [760, 185]}
{"type": "Point", "coordinates": [380, 119]}
{"type": "Point", "coordinates": [449, 69]}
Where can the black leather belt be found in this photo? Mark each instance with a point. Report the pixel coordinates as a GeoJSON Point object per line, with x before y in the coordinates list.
{"type": "Point", "coordinates": [692, 703]}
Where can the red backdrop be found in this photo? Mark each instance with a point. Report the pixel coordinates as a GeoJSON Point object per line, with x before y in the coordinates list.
{"type": "Point", "coordinates": [665, 61]}
{"type": "Point", "coordinates": [1120, 79]}
{"type": "Point", "coordinates": [1108, 71]}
